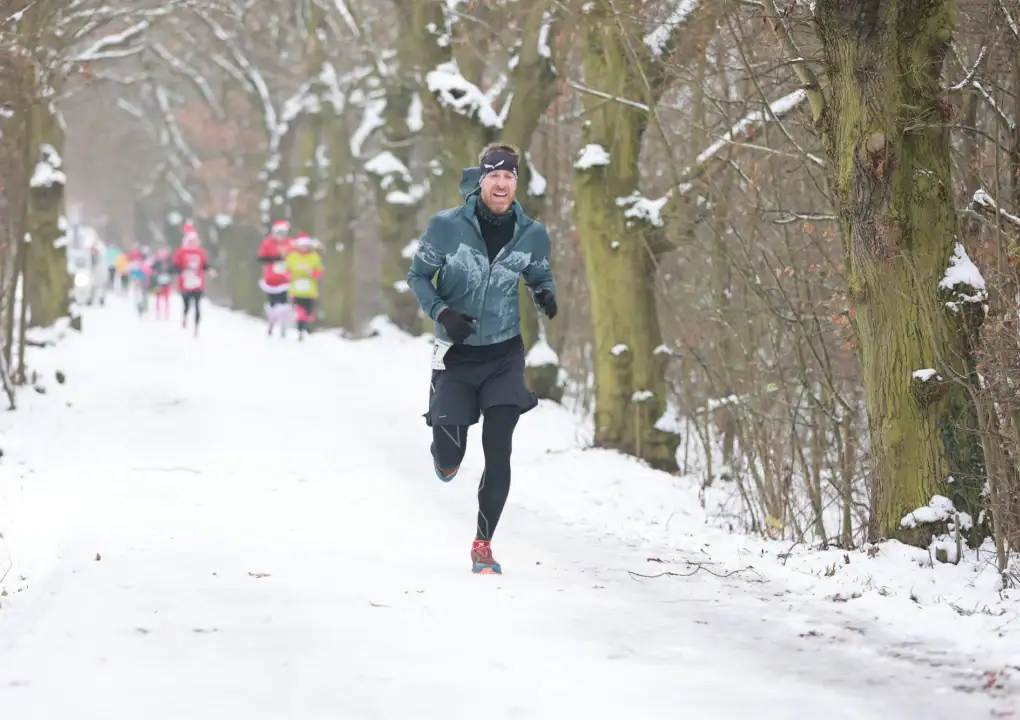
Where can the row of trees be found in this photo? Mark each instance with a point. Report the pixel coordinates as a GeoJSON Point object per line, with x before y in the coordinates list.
{"type": "Point", "coordinates": [42, 42]}
{"type": "Point", "coordinates": [765, 215]}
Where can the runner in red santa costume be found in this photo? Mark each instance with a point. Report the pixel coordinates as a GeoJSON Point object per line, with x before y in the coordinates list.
{"type": "Point", "coordinates": [192, 264]}
{"type": "Point", "coordinates": [274, 282]}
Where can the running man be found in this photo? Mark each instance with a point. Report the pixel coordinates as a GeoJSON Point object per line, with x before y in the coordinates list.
{"type": "Point", "coordinates": [478, 252]}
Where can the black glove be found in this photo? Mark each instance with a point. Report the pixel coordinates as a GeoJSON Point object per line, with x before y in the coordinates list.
{"type": "Point", "coordinates": [547, 301]}
{"type": "Point", "coordinates": [458, 327]}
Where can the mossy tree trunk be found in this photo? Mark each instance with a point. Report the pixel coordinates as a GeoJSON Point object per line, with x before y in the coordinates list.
{"type": "Point", "coordinates": [534, 86]}
{"type": "Point", "coordinates": [630, 362]}
{"type": "Point", "coordinates": [338, 285]}
{"type": "Point", "coordinates": [399, 198]}
{"type": "Point", "coordinates": [302, 195]}
{"type": "Point", "coordinates": [47, 283]}
{"type": "Point", "coordinates": [459, 134]}
{"type": "Point", "coordinates": [886, 133]}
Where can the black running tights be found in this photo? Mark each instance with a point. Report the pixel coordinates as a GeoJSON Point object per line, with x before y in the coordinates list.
{"type": "Point", "coordinates": [196, 299]}
{"type": "Point", "coordinates": [497, 439]}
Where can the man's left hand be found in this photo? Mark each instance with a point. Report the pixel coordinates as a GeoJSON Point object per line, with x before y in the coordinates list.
{"type": "Point", "coordinates": [547, 301]}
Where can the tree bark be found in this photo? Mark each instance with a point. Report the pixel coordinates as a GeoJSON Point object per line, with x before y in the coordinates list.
{"type": "Point", "coordinates": [48, 283]}
{"type": "Point", "coordinates": [887, 136]}
{"type": "Point", "coordinates": [398, 197]}
{"type": "Point", "coordinates": [338, 284]}
{"type": "Point", "coordinates": [630, 393]}
{"type": "Point", "coordinates": [534, 87]}
{"type": "Point", "coordinates": [459, 135]}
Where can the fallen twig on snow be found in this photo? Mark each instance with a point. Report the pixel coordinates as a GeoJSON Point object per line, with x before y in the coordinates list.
{"type": "Point", "coordinates": [697, 568]}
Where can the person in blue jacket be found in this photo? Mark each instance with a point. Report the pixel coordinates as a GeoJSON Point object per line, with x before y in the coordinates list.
{"type": "Point", "coordinates": [465, 274]}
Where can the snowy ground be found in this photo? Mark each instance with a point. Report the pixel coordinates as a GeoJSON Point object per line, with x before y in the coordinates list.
{"type": "Point", "coordinates": [233, 526]}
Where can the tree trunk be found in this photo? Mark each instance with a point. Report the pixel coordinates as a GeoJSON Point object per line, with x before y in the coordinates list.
{"type": "Point", "coordinates": [239, 247]}
{"type": "Point", "coordinates": [887, 135]}
{"type": "Point", "coordinates": [459, 133]}
{"type": "Point", "coordinates": [630, 394]}
{"type": "Point", "coordinates": [533, 83]}
{"type": "Point", "coordinates": [338, 283]}
{"type": "Point", "coordinates": [301, 195]}
{"type": "Point", "coordinates": [308, 132]}
{"type": "Point", "coordinates": [398, 197]}
{"type": "Point", "coordinates": [48, 283]}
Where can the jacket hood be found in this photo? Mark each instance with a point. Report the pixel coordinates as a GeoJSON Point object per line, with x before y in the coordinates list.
{"type": "Point", "coordinates": [470, 181]}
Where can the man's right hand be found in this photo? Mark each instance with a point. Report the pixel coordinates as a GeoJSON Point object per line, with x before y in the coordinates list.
{"type": "Point", "coordinates": [458, 327]}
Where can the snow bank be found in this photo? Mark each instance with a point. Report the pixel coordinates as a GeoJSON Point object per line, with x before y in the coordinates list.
{"type": "Point", "coordinates": [664, 536]}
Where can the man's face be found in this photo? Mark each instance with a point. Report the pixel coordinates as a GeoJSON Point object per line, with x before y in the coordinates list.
{"type": "Point", "coordinates": [498, 190]}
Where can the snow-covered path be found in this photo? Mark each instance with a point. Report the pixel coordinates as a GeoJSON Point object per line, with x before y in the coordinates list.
{"type": "Point", "coordinates": [238, 527]}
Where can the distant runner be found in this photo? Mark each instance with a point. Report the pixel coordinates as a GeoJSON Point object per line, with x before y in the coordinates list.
{"type": "Point", "coordinates": [192, 263]}
{"type": "Point", "coordinates": [273, 254]}
{"type": "Point", "coordinates": [304, 270]}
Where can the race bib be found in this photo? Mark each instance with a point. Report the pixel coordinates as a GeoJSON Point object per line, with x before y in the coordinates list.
{"type": "Point", "coordinates": [439, 350]}
{"type": "Point", "coordinates": [302, 284]}
{"type": "Point", "coordinates": [279, 268]}
{"type": "Point", "coordinates": [163, 279]}
{"type": "Point", "coordinates": [191, 281]}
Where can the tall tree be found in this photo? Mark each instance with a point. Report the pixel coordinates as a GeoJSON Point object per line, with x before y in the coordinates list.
{"type": "Point", "coordinates": [618, 230]}
{"type": "Point", "coordinates": [886, 132]}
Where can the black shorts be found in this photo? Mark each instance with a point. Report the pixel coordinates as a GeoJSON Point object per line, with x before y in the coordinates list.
{"type": "Point", "coordinates": [190, 297]}
{"type": "Point", "coordinates": [460, 393]}
{"type": "Point", "coordinates": [276, 298]}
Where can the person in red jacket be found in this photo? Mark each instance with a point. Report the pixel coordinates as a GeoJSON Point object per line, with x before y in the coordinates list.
{"type": "Point", "coordinates": [192, 263]}
{"type": "Point", "coordinates": [274, 282]}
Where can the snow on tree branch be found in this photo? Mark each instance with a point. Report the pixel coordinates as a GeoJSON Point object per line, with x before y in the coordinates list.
{"type": "Point", "coordinates": [228, 67]}
{"type": "Point", "coordinates": [178, 187]}
{"type": "Point", "coordinates": [47, 171]}
{"type": "Point", "coordinates": [1011, 21]}
{"type": "Point", "coordinates": [348, 18]}
{"type": "Point", "coordinates": [973, 71]}
{"type": "Point", "coordinates": [253, 78]}
{"type": "Point", "coordinates": [660, 39]}
{"type": "Point", "coordinates": [371, 121]}
{"type": "Point", "coordinates": [456, 92]}
{"type": "Point", "coordinates": [111, 46]}
{"type": "Point", "coordinates": [173, 129]}
{"type": "Point", "coordinates": [191, 74]}
{"type": "Point", "coordinates": [130, 108]}
{"type": "Point", "coordinates": [650, 211]}
{"type": "Point", "coordinates": [984, 202]}
{"type": "Point", "coordinates": [599, 93]}
{"type": "Point", "coordinates": [747, 125]}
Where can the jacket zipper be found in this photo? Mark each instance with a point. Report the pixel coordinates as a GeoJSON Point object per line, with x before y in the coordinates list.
{"type": "Point", "coordinates": [488, 275]}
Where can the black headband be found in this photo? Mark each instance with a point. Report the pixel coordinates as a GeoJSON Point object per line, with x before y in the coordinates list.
{"type": "Point", "coordinates": [499, 160]}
